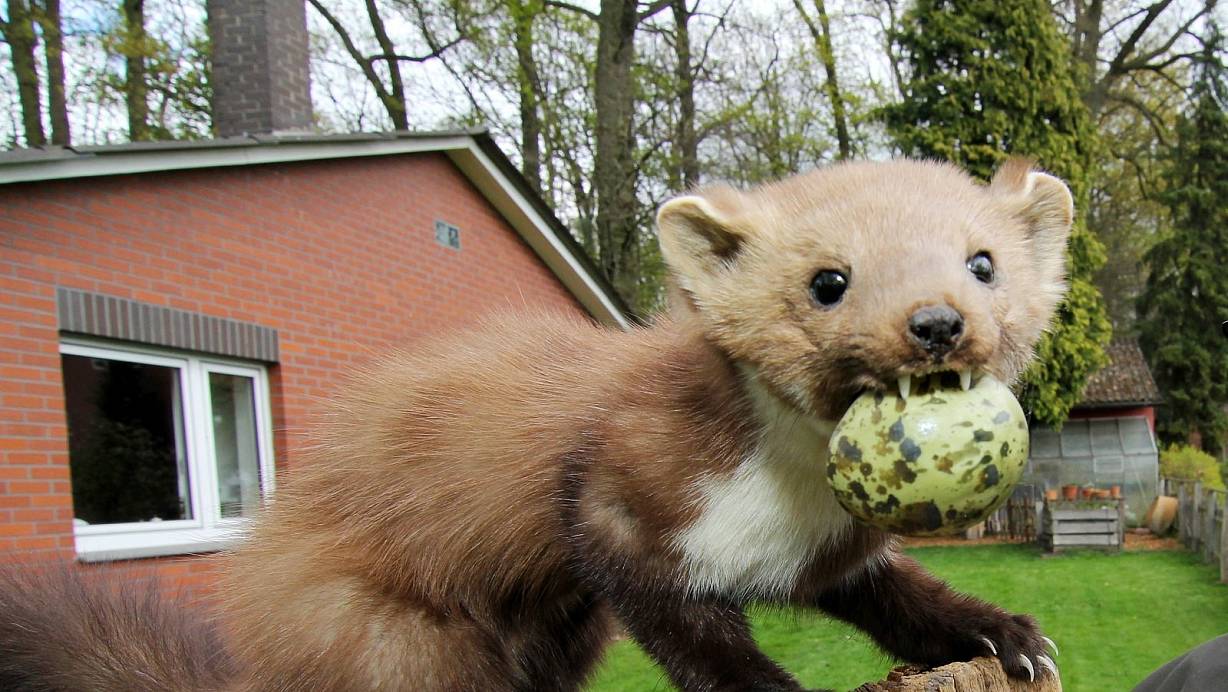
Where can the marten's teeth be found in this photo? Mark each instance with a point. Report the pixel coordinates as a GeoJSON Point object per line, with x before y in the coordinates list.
{"type": "Point", "coordinates": [965, 379]}
{"type": "Point", "coordinates": [905, 383]}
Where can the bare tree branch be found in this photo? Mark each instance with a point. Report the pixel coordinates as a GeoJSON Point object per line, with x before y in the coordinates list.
{"type": "Point", "coordinates": [363, 63]}
{"type": "Point", "coordinates": [571, 8]}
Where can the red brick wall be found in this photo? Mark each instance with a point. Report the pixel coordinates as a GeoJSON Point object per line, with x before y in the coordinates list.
{"type": "Point", "coordinates": [1147, 412]}
{"type": "Point", "coordinates": [338, 256]}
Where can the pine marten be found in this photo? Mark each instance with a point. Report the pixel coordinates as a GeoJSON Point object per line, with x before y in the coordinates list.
{"type": "Point", "coordinates": [480, 514]}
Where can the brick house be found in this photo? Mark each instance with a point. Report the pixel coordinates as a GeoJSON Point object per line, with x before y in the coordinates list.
{"type": "Point", "coordinates": [173, 313]}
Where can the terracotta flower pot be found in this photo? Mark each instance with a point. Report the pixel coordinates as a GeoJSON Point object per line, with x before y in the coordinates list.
{"type": "Point", "coordinates": [1070, 492]}
{"type": "Point", "coordinates": [1051, 495]}
{"type": "Point", "coordinates": [1116, 492]}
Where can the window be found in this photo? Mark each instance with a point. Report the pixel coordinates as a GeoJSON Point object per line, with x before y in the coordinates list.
{"type": "Point", "coordinates": [168, 452]}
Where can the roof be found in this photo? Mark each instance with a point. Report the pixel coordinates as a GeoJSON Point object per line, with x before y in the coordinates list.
{"type": "Point", "coordinates": [1125, 381]}
{"type": "Point", "coordinates": [473, 151]}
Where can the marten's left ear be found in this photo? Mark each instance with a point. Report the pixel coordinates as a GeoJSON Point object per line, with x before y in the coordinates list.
{"type": "Point", "coordinates": [1042, 202]}
{"type": "Point", "coordinates": [697, 238]}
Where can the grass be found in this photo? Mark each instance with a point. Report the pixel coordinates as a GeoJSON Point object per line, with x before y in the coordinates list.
{"type": "Point", "coordinates": [1116, 617]}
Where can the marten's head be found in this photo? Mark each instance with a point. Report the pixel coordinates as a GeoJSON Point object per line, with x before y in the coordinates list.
{"type": "Point", "coordinates": [862, 275]}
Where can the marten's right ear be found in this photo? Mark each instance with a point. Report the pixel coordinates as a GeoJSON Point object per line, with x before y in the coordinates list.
{"type": "Point", "coordinates": [1045, 206]}
{"type": "Point", "coordinates": [697, 239]}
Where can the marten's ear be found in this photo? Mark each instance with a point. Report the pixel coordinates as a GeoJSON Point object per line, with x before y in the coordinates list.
{"type": "Point", "coordinates": [1042, 202]}
{"type": "Point", "coordinates": [697, 238]}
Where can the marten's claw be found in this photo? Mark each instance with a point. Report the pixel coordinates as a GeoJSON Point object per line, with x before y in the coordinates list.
{"type": "Point", "coordinates": [1027, 663]}
{"type": "Point", "coordinates": [1052, 645]}
{"type": "Point", "coordinates": [989, 643]}
{"type": "Point", "coordinates": [1047, 663]}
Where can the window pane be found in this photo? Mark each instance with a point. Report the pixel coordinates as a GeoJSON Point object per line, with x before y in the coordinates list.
{"type": "Point", "coordinates": [234, 436]}
{"type": "Point", "coordinates": [125, 440]}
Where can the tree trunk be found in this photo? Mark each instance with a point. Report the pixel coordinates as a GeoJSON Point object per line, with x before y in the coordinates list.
{"type": "Point", "coordinates": [136, 88]}
{"type": "Point", "coordinates": [394, 98]}
{"type": "Point", "coordinates": [53, 46]}
{"type": "Point", "coordinates": [523, 16]}
{"type": "Point", "coordinates": [614, 174]}
{"type": "Point", "coordinates": [19, 32]}
{"type": "Point", "coordinates": [684, 134]}
{"type": "Point", "coordinates": [822, 42]}
{"type": "Point", "coordinates": [1088, 15]}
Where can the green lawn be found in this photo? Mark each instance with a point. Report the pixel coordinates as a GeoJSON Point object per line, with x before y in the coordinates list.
{"type": "Point", "coordinates": [1115, 617]}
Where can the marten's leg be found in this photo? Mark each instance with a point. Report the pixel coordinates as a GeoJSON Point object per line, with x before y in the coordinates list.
{"type": "Point", "coordinates": [564, 643]}
{"type": "Point", "coordinates": [916, 617]}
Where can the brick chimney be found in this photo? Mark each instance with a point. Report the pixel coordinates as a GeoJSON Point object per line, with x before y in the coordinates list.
{"type": "Point", "coordinates": [261, 82]}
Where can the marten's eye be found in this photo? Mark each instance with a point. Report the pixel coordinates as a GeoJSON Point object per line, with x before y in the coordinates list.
{"type": "Point", "coordinates": [827, 287]}
{"type": "Point", "coordinates": [981, 266]}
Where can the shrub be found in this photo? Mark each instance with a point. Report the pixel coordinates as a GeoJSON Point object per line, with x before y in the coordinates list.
{"type": "Point", "coordinates": [1191, 463]}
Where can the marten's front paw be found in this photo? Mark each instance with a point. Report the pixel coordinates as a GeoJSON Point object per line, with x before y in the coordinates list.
{"type": "Point", "coordinates": [1017, 642]}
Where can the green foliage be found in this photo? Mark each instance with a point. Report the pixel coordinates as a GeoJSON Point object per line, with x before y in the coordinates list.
{"type": "Point", "coordinates": [177, 53]}
{"type": "Point", "coordinates": [1186, 296]}
{"type": "Point", "coordinates": [1190, 463]}
{"type": "Point", "coordinates": [986, 80]}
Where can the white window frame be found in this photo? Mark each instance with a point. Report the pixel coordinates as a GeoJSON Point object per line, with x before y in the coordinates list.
{"type": "Point", "coordinates": [207, 531]}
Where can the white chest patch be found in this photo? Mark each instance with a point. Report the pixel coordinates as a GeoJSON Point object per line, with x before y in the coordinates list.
{"type": "Point", "coordinates": [761, 525]}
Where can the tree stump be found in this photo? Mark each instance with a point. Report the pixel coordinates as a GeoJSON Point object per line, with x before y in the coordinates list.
{"type": "Point", "coordinates": [977, 675]}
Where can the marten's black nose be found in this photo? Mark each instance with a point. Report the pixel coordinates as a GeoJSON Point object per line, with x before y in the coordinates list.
{"type": "Point", "coordinates": [936, 328]}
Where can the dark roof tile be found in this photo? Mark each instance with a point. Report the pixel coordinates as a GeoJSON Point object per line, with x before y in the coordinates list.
{"type": "Point", "coordinates": [1125, 380]}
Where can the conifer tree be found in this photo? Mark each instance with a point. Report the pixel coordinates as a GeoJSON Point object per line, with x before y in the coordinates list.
{"type": "Point", "coordinates": [1186, 297]}
{"type": "Point", "coordinates": [985, 80]}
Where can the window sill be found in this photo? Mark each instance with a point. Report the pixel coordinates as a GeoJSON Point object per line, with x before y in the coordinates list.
{"type": "Point", "coordinates": [131, 545]}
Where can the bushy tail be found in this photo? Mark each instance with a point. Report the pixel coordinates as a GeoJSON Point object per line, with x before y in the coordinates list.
{"type": "Point", "coordinates": [64, 630]}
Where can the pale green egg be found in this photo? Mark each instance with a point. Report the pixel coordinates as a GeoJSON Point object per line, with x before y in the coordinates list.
{"type": "Point", "coordinates": [935, 463]}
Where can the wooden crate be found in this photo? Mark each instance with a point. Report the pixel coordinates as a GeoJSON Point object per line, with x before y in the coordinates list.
{"type": "Point", "coordinates": [1089, 524]}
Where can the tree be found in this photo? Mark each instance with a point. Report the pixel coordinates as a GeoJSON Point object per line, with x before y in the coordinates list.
{"type": "Point", "coordinates": [1186, 296]}
{"type": "Point", "coordinates": [135, 47]}
{"type": "Point", "coordinates": [820, 30]}
{"type": "Point", "coordinates": [157, 71]}
{"type": "Point", "coordinates": [686, 172]}
{"type": "Point", "coordinates": [524, 14]}
{"type": "Point", "coordinates": [615, 165]}
{"type": "Point", "coordinates": [1124, 212]}
{"type": "Point", "coordinates": [53, 52]}
{"type": "Point", "coordinates": [386, 59]}
{"type": "Point", "coordinates": [1131, 60]}
{"type": "Point", "coordinates": [19, 32]}
{"type": "Point", "coordinates": [1145, 43]}
{"type": "Point", "coordinates": [987, 79]}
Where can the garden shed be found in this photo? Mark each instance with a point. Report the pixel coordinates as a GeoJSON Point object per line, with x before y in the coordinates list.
{"type": "Point", "coordinates": [1110, 437]}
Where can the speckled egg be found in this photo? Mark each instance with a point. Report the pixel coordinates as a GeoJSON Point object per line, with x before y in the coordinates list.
{"type": "Point", "coordinates": [936, 462]}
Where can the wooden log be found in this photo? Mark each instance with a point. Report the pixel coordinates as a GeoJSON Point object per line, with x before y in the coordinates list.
{"type": "Point", "coordinates": [977, 675]}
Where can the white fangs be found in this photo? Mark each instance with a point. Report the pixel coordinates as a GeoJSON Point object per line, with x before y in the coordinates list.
{"type": "Point", "coordinates": [905, 381]}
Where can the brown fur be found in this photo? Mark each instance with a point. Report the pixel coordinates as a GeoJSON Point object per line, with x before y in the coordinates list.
{"type": "Point", "coordinates": [475, 513]}
{"type": "Point", "coordinates": [62, 631]}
